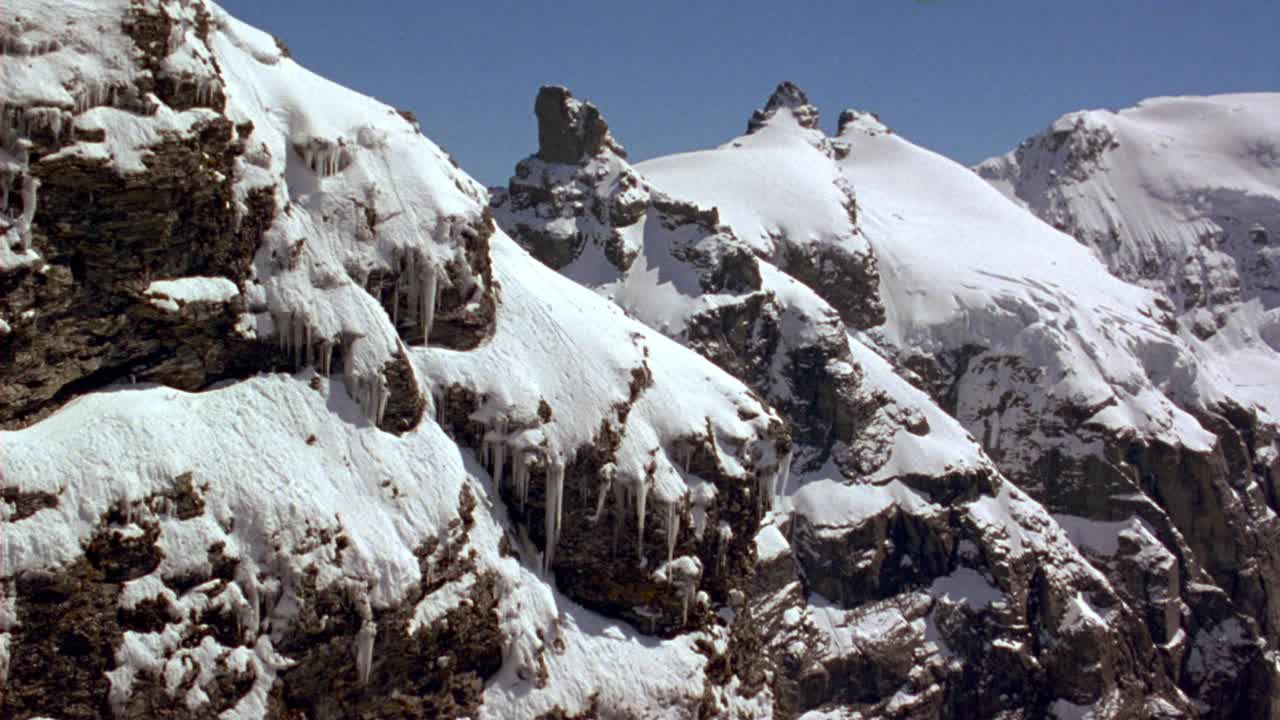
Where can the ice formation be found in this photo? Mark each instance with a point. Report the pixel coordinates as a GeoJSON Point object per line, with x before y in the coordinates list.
{"type": "Point", "coordinates": [683, 573]}
{"type": "Point", "coordinates": [554, 509]}
{"type": "Point", "coordinates": [323, 157]}
{"type": "Point", "coordinates": [364, 649]}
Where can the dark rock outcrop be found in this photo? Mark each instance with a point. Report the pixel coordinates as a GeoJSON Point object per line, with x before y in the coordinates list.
{"type": "Point", "coordinates": [790, 98]}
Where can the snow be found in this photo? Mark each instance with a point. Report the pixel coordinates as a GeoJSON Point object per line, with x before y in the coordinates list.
{"type": "Point", "coordinates": [946, 448]}
{"type": "Point", "coordinates": [833, 505]}
{"type": "Point", "coordinates": [1018, 286]}
{"type": "Point", "coordinates": [277, 460]}
{"type": "Point", "coordinates": [770, 544]}
{"type": "Point", "coordinates": [768, 185]}
{"type": "Point", "coordinates": [1080, 612]}
{"type": "Point", "coordinates": [523, 365]}
{"type": "Point", "coordinates": [1067, 710]}
{"type": "Point", "coordinates": [277, 457]}
{"type": "Point", "coordinates": [1103, 537]}
{"type": "Point", "coordinates": [143, 437]}
{"type": "Point", "coordinates": [1182, 200]}
{"type": "Point", "coordinates": [171, 295]}
{"type": "Point", "coordinates": [967, 586]}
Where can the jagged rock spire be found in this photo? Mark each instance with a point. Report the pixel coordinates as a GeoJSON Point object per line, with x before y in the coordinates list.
{"type": "Point", "coordinates": [787, 95]}
{"type": "Point", "coordinates": [570, 129]}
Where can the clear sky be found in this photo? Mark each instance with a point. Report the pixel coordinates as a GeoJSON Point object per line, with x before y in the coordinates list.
{"type": "Point", "coordinates": [967, 79]}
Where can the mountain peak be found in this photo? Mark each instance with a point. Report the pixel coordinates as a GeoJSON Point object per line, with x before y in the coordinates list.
{"type": "Point", "coordinates": [570, 129]}
{"type": "Point", "coordinates": [788, 96]}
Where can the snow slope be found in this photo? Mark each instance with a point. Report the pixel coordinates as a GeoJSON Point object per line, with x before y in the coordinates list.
{"type": "Point", "coordinates": [1179, 195]}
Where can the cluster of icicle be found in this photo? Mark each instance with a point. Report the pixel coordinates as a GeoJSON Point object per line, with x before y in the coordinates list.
{"type": "Point", "coordinates": [22, 222]}
{"type": "Point", "coordinates": [207, 90]}
{"type": "Point", "coordinates": [15, 124]}
{"type": "Point", "coordinates": [529, 449]}
{"type": "Point", "coordinates": [323, 157]}
{"type": "Point", "coordinates": [365, 636]}
{"type": "Point", "coordinates": [772, 483]}
{"type": "Point", "coordinates": [420, 282]}
{"type": "Point", "coordinates": [18, 123]}
{"type": "Point", "coordinates": [295, 338]}
{"type": "Point", "coordinates": [10, 45]}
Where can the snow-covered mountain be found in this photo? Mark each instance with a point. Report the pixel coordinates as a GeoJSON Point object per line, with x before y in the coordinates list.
{"type": "Point", "coordinates": [1075, 384]}
{"type": "Point", "coordinates": [803, 426]}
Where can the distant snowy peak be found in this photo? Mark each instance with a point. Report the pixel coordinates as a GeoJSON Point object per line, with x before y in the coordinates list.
{"type": "Point", "coordinates": [1180, 195]}
{"type": "Point", "coordinates": [790, 98]}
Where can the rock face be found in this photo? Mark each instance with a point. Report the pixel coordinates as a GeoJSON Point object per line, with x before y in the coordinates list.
{"type": "Point", "coordinates": [569, 130]}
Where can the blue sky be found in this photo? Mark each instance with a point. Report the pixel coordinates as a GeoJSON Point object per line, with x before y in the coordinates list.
{"type": "Point", "coordinates": [967, 79]}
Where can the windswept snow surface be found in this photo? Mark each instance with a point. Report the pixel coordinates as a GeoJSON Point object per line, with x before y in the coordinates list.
{"type": "Point", "coordinates": [771, 185]}
{"type": "Point", "coordinates": [961, 264]}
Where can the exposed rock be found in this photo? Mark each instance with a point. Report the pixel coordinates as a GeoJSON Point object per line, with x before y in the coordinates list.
{"type": "Point", "coordinates": [570, 130]}
{"type": "Point", "coordinates": [789, 97]}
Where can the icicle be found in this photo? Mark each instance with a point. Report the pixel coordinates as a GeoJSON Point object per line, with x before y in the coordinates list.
{"type": "Point", "coordinates": [299, 342]}
{"type": "Point", "coordinates": [246, 576]}
{"type": "Point", "coordinates": [620, 503]}
{"type": "Point", "coordinates": [428, 304]}
{"type": "Point", "coordinates": [282, 331]}
{"type": "Point", "coordinates": [607, 473]}
{"type": "Point", "coordinates": [687, 452]}
{"type": "Point", "coordinates": [520, 477]}
{"type": "Point", "coordinates": [364, 649]}
{"type": "Point", "coordinates": [553, 510]}
{"type": "Point", "coordinates": [413, 293]}
{"type": "Point", "coordinates": [395, 303]}
{"type": "Point", "coordinates": [726, 537]}
{"type": "Point", "coordinates": [348, 364]}
{"type": "Point", "coordinates": [30, 185]}
{"type": "Point", "coordinates": [642, 495]}
{"type": "Point", "coordinates": [686, 594]}
{"type": "Point", "coordinates": [499, 459]}
{"type": "Point", "coordinates": [784, 477]}
{"type": "Point", "coordinates": [383, 396]}
{"type": "Point", "coordinates": [6, 182]}
{"type": "Point", "coordinates": [306, 341]}
{"type": "Point", "coordinates": [325, 356]}
{"type": "Point", "coordinates": [765, 483]}
{"type": "Point", "coordinates": [673, 529]}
